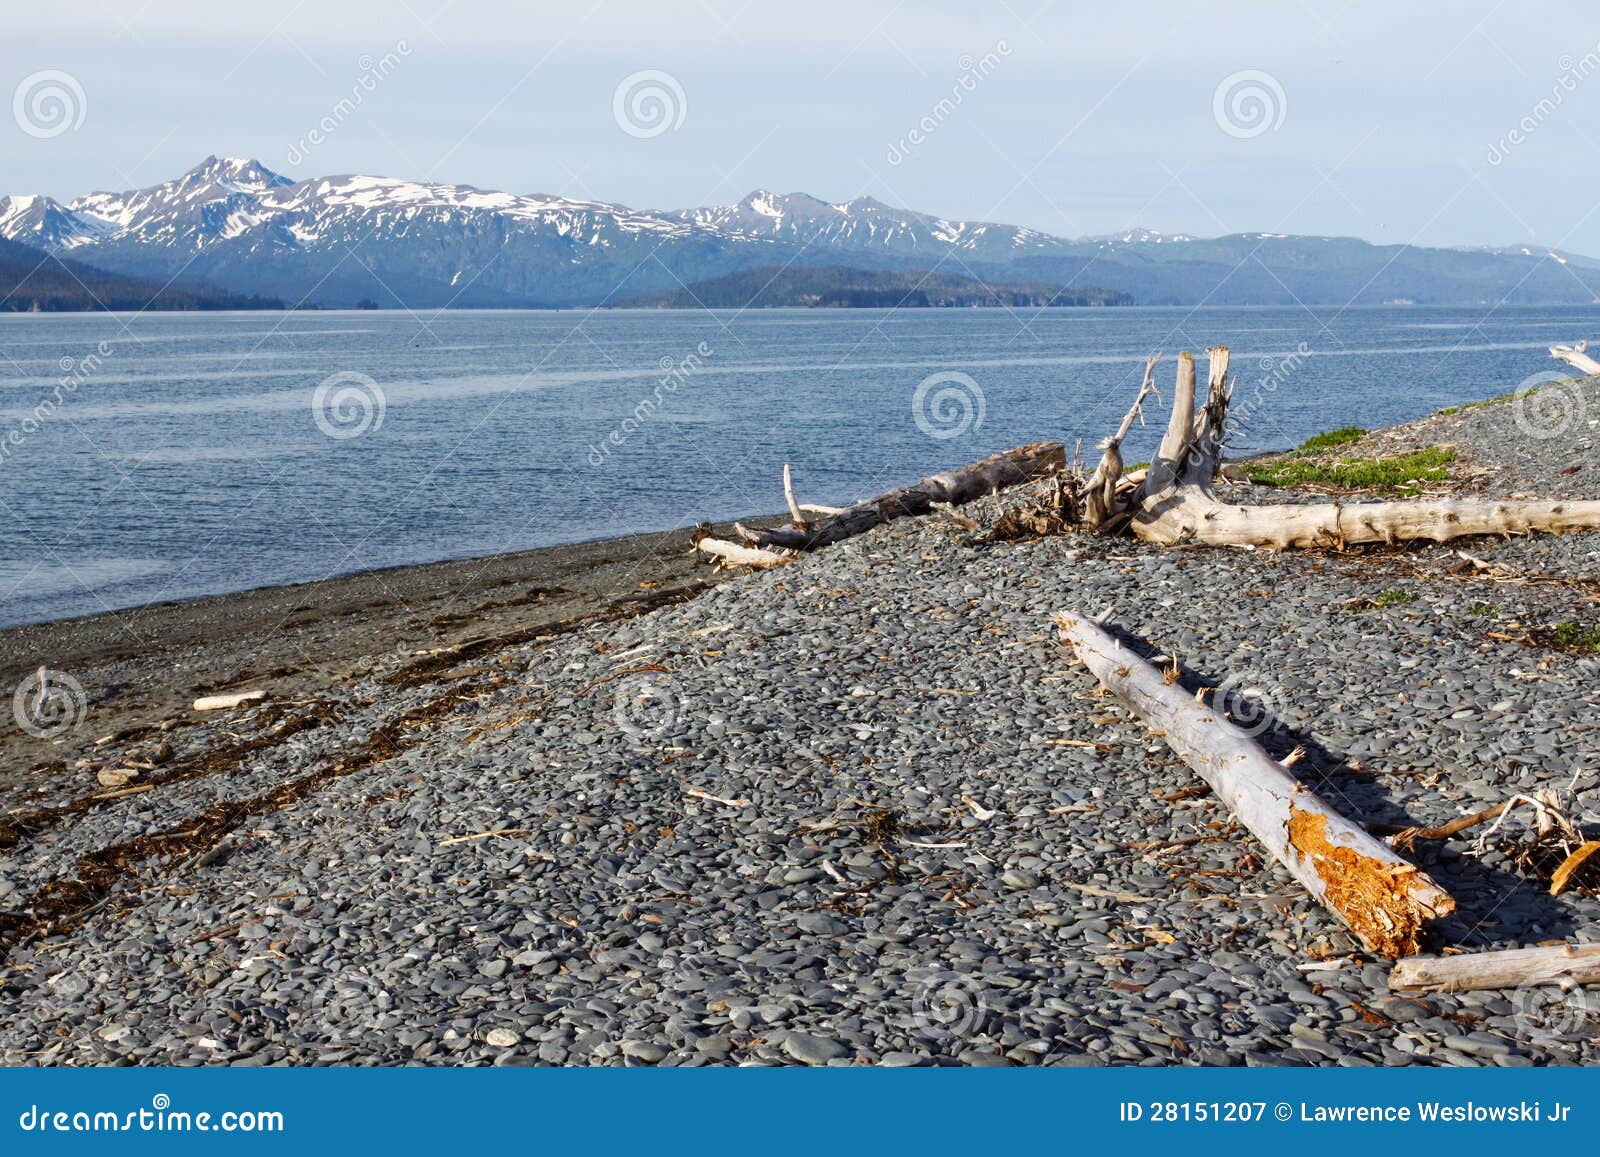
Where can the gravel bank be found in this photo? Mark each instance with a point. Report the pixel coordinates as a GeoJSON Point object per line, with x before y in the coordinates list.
{"type": "Point", "coordinates": [825, 815]}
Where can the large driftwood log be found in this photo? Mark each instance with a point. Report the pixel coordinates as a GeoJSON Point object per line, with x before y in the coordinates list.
{"type": "Point", "coordinates": [1385, 900]}
{"type": "Point", "coordinates": [953, 487]}
{"type": "Point", "coordinates": [1576, 356]}
{"type": "Point", "coordinates": [1176, 503]}
{"type": "Point", "coordinates": [1563, 965]}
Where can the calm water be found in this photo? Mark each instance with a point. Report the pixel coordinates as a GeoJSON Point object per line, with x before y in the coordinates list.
{"type": "Point", "coordinates": [189, 454]}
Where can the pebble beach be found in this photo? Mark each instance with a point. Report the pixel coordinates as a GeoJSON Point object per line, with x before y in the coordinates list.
{"type": "Point", "coordinates": [863, 809]}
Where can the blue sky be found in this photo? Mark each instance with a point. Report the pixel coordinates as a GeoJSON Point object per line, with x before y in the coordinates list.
{"type": "Point", "coordinates": [1383, 121]}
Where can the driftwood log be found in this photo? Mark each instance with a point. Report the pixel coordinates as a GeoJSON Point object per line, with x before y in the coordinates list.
{"type": "Point", "coordinates": [1565, 966]}
{"type": "Point", "coordinates": [952, 488]}
{"type": "Point", "coordinates": [1576, 356]}
{"type": "Point", "coordinates": [1384, 899]}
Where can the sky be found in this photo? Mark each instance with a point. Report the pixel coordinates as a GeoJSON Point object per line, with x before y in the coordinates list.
{"type": "Point", "coordinates": [1476, 122]}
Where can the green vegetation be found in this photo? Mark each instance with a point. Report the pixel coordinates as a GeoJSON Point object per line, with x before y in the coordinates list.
{"type": "Point", "coordinates": [1393, 597]}
{"type": "Point", "coordinates": [1340, 437]}
{"type": "Point", "coordinates": [1402, 474]}
{"type": "Point", "coordinates": [1484, 610]}
{"type": "Point", "coordinates": [1575, 637]}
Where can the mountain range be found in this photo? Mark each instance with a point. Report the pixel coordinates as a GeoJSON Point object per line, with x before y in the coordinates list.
{"type": "Point", "coordinates": [234, 224]}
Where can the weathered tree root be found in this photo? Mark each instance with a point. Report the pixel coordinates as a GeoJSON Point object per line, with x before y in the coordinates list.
{"type": "Point", "coordinates": [1384, 899]}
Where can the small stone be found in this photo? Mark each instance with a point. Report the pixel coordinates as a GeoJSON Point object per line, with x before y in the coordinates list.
{"type": "Point", "coordinates": [642, 1050]}
{"type": "Point", "coordinates": [813, 1050]}
{"type": "Point", "coordinates": [502, 1038]}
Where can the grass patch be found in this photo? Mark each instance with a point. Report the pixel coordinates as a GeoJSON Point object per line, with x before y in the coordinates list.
{"type": "Point", "coordinates": [1403, 473]}
{"type": "Point", "coordinates": [1573, 637]}
{"type": "Point", "coordinates": [1340, 437]}
{"type": "Point", "coordinates": [1393, 597]}
{"type": "Point", "coordinates": [1484, 610]}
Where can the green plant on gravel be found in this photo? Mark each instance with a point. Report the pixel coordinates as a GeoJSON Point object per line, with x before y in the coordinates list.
{"type": "Point", "coordinates": [1343, 436]}
{"type": "Point", "coordinates": [1576, 636]}
{"type": "Point", "coordinates": [1393, 597]}
{"type": "Point", "coordinates": [1403, 473]}
{"type": "Point", "coordinates": [1484, 610]}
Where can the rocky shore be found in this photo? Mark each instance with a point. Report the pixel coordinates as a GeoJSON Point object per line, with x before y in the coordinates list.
{"type": "Point", "coordinates": [859, 809]}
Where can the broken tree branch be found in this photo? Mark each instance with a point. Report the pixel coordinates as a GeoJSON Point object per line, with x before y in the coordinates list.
{"type": "Point", "coordinates": [1100, 492]}
{"type": "Point", "coordinates": [788, 494]}
{"type": "Point", "coordinates": [1564, 965]}
{"type": "Point", "coordinates": [1385, 900]}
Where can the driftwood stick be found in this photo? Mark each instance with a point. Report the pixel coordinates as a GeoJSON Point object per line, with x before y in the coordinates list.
{"type": "Point", "coordinates": [788, 495]}
{"type": "Point", "coordinates": [1403, 837]}
{"type": "Point", "coordinates": [1385, 900]}
{"type": "Point", "coordinates": [1564, 965]}
{"type": "Point", "coordinates": [1576, 356]}
{"type": "Point", "coordinates": [1561, 878]}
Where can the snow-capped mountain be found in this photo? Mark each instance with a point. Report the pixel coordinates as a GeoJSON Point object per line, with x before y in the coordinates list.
{"type": "Point", "coordinates": [233, 222]}
{"type": "Point", "coordinates": [867, 224]}
{"type": "Point", "coordinates": [237, 225]}
{"type": "Point", "coordinates": [48, 224]}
